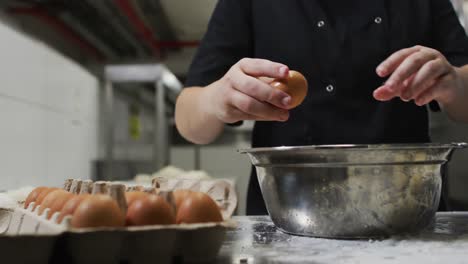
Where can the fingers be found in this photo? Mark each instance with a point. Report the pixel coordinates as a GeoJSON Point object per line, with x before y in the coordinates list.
{"type": "Point", "coordinates": [266, 80]}
{"type": "Point", "coordinates": [256, 109]}
{"type": "Point", "coordinates": [411, 65]}
{"type": "Point", "coordinates": [392, 63]}
{"type": "Point", "coordinates": [383, 93]}
{"type": "Point", "coordinates": [435, 90]}
{"type": "Point", "coordinates": [233, 115]}
{"type": "Point", "coordinates": [263, 68]}
{"type": "Point", "coordinates": [386, 93]}
{"type": "Point", "coordinates": [428, 95]}
{"type": "Point", "coordinates": [259, 90]}
{"type": "Point", "coordinates": [440, 91]}
{"type": "Point", "coordinates": [416, 73]}
{"type": "Point", "coordinates": [246, 93]}
{"type": "Point", "coordinates": [408, 82]}
{"type": "Point", "coordinates": [425, 78]}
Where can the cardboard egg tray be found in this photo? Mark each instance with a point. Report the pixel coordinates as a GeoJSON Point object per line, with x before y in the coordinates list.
{"type": "Point", "coordinates": [27, 237]}
{"type": "Point", "coordinates": [221, 191]}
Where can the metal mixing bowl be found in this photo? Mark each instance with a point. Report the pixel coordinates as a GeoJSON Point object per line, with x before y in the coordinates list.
{"type": "Point", "coordinates": [352, 191]}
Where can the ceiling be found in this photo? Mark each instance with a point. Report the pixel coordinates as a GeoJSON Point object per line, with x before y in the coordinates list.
{"type": "Point", "coordinates": [99, 32]}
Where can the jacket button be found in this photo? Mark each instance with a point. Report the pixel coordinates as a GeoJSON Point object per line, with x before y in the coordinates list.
{"type": "Point", "coordinates": [330, 88]}
{"type": "Point", "coordinates": [321, 23]}
{"type": "Point", "coordinates": [378, 20]}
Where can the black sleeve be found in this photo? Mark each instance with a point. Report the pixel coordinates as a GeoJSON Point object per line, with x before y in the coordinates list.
{"type": "Point", "coordinates": [449, 37]}
{"type": "Point", "coordinates": [228, 40]}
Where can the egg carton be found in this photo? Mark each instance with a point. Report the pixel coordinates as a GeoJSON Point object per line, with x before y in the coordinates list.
{"type": "Point", "coordinates": [221, 191]}
{"type": "Point", "coordinates": [50, 242]}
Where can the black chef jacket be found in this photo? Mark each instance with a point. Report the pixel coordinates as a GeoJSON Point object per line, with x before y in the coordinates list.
{"type": "Point", "coordinates": [337, 47]}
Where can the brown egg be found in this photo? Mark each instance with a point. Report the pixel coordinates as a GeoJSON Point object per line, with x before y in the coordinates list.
{"type": "Point", "coordinates": [180, 196]}
{"type": "Point", "coordinates": [33, 196]}
{"type": "Point", "coordinates": [98, 211]}
{"type": "Point", "coordinates": [52, 197]}
{"type": "Point", "coordinates": [198, 208]}
{"type": "Point", "coordinates": [70, 206]}
{"type": "Point", "coordinates": [132, 196]}
{"type": "Point", "coordinates": [295, 85]}
{"type": "Point", "coordinates": [150, 210]}
{"type": "Point", "coordinates": [58, 204]}
{"type": "Point", "coordinates": [43, 195]}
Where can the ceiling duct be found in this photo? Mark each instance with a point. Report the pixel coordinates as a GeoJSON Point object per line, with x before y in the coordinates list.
{"type": "Point", "coordinates": [106, 31]}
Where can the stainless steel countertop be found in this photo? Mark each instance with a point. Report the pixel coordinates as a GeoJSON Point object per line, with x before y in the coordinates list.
{"type": "Point", "coordinates": [257, 240]}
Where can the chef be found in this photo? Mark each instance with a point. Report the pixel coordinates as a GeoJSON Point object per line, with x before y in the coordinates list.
{"type": "Point", "coordinates": [373, 67]}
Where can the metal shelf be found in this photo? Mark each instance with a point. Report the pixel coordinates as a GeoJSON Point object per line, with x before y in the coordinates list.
{"type": "Point", "coordinates": [163, 81]}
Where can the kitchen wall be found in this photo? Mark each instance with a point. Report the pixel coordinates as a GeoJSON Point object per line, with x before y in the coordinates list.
{"type": "Point", "coordinates": [48, 114]}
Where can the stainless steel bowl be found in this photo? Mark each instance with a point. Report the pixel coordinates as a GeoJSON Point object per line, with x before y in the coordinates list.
{"type": "Point", "coordinates": [352, 191]}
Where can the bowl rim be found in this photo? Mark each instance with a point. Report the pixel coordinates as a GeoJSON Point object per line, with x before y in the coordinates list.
{"type": "Point", "coordinates": [459, 145]}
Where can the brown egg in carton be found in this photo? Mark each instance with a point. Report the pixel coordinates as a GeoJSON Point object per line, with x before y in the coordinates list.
{"type": "Point", "coordinates": [52, 240]}
{"type": "Point", "coordinates": [32, 212]}
{"type": "Point", "coordinates": [221, 191]}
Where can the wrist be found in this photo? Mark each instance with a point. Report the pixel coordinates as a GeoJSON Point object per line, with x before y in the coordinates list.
{"type": "Point", "coordinates": [452, 88]}
{"type": "Point", "coordinates": [207, 102]}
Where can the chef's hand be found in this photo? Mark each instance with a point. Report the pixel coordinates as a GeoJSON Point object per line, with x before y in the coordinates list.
{"type": "Point", "coordinates": [244, 93]}
{"type": "Point", "coordinates": [420, 74]}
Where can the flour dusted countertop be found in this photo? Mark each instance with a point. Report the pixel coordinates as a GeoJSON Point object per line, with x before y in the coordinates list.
{"type": "Point", "coordinates": [257, 240]}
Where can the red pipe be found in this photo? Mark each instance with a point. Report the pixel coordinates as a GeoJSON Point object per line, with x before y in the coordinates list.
{"type": "Point", "coordinates": [61, 27]}
{"type": "Point", "coordinates": [145, 32]}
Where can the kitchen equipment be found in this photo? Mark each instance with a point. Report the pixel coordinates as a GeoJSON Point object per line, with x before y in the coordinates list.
{"type": "Point", "coordinates": [352, 191]}
{"type": "Point", "coordinates": [165, 83]}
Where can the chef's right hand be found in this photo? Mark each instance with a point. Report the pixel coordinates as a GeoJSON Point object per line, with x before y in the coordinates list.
{"type": "Point", "coordinates": [244, 93]}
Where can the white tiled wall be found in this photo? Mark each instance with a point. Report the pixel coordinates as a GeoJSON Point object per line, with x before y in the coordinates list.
{"type": "Point", "coordinates": [48, 114]}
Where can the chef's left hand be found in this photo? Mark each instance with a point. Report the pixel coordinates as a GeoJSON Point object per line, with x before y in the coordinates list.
{"type": "Point", "coordinates": [419, 73]}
